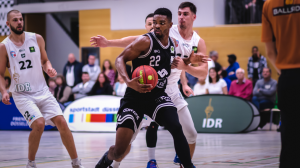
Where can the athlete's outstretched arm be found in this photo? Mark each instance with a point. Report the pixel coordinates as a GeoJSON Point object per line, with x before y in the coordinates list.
{"type": "Point", "coordinates": [46, 64]}
{"type": "Point", "coordinates": [101, 41]}
{"type": "Point", "coordinates": [134, 50]}
{"type": "Point", "coordinates": [3, 65]}
{"type": "Point", "coordinates": [185, 87]}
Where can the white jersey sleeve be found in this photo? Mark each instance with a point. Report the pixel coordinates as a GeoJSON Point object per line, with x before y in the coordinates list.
{"type": "Point", "coordinates": [25, 65]}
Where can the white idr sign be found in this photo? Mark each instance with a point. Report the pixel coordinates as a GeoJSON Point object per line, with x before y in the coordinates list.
{"type": "Point", "coordinates": [210, 123]}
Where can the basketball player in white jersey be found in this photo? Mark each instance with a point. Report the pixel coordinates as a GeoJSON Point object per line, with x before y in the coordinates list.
{"type": "Point", "coordinates": [188, 42]}
{"type": "Point", "coordinates": [24, 55]}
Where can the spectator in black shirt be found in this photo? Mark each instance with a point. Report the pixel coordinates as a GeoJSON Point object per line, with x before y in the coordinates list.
{"type": "Point", "coordinates": [102, 86]}
{"type": "Point", "coordinates": [214, 56]}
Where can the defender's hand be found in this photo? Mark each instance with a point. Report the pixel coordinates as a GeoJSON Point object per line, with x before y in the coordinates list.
{"type": "Point", "coordinates": [99, 41]}
{"type": "Point", "coordinates": [51, 72]}
{"type": "Point", "coordinates": [197, 58]}
{"type": "Point", "coordinates": [187, 90]}
{"type": "Point", "coordinates": [141, 88]}
{"type": "Point", "coordinates": [178, 63]}
{"type": "Point", "coordinates": [5, 99]}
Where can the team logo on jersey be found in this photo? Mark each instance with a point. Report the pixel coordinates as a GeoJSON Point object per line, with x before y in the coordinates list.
{"type": "Point", "coordinates": [22, 87]}
{"type": "Point", "coordinates": [185, 45]}
{"type": "Point", "coordinates": [172, 49]}
{"type": "Point", "coordinates": [177, 43]}
{"type": "Point", "coordinates": [31, 49]}
{"type": "Point", "coordinates": [156, 51]}
{"type": "Point", "coordinates": [13, 54]}
{"type": "Point", "coordinates": [23, 55]}
{"type": "Point", "coordinates": [16, 76]}
{"type": "Point", "coordinates": [21, 50]}
{"type": "Point", "coordinates": [195, 49]}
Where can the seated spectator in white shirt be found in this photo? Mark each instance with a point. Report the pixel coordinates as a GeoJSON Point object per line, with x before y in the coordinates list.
{"type": "Point", "coordinates": [91, 68]}
{"type": "Point", "coordinates": [81, 89]}
{"type": "Point", "coordinates": [200, 88]}
{"type": "Point", "coordinates": [216, 85]}
{"type": "Point", "coordinates": [120, 87]}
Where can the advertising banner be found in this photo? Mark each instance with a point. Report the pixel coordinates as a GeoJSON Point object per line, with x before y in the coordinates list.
{"type": "Point", "coordinates": [12, 119]}
{"type": "Point", "coordinates": [93, 114]}
{"type": "Point", "coordinates": [5, 6]}
{"type": "Point", "coordinates": [222, 114]}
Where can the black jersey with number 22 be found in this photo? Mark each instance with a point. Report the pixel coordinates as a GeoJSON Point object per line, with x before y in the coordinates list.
{"type": "Point", "coordinates": [159, 58]}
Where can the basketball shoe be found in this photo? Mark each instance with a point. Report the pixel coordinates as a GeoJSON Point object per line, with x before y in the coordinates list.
{"type": "Point", "coordinates": [152, 164]}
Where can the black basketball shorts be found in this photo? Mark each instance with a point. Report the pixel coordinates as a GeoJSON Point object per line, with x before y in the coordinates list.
{"type": "Point", "coordinates": [131, 111]}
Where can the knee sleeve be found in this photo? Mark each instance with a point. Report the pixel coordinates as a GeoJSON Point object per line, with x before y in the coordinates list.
{"type": "Point", "coordinates": [151, 135]}
{"type": "Point", "coordinates": [187, 124]}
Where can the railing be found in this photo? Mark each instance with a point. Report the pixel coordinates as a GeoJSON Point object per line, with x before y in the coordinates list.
{"type": "Point", "coordinates": [17, 2]}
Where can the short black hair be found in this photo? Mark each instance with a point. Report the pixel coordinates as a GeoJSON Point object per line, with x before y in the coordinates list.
{"type": "Point", "coordinates": [192, 7]}
{"type": "Point", "coordinates": [85, 73]}
{"type": "Point", "coordinates": [8, 13]}
{"type": "Point", "coordinates": [165, 12]}
{"type": "Point", "coordinates": [149, 16]}
{"type": "Point", "coordinates": [255, 47]}
{"type": "Point", "coordinates": [224, 73]}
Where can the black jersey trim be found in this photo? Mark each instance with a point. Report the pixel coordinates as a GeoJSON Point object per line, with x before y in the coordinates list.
{"type": "Point", "coordinates": [150, 49]}
{"type": "Point", "coordinates": [162, 46]}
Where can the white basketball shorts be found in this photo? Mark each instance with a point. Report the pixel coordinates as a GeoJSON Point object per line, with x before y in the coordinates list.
{"type": "Point", "coordinates": [36, 105]}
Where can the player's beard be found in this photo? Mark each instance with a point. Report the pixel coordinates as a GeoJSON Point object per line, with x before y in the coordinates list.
{"type": "Point", "coordinates": [182, 26]}
{"type": "Point", "coordinates": [17, 31]}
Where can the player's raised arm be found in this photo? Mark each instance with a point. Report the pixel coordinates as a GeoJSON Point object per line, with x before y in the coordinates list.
{"type": "Point", "coordinates": [46, 64]}
{"type": "Point", "coordinates": [3, 65]}
{"type": "Point", "coordinates": [101, 41]}
{"type": "Point", "coordinates": [134, 50]}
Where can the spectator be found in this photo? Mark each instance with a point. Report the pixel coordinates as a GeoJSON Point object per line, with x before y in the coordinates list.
{"type": "Point", "coordinates": [109, 72]}
{"type": "Point", "coordinates": [72, 71]}
{"type": "Point", "coordinates": [191, 79]}
{"type": "Point", "coordinates": [102, 86]}
{"type": "Point", "coordinates": [52, 85]}
{"type": "Point", "coordinates": [264, 92]}
{"type": "Point", "coordinates": [226, 79]}
{"type": "Point", "coordinates": [214, 57]}
{"type": "Point", "coordinates": [233, 66]}
{"type": "Point", "coordinates": [241, 87]}
{"type": "Point", "coordinates": [81, 89]}
{"type": "Point", "coordinates": [256, 63]}
{"type": "Point", "coordinates": [92, 69]}
{"type": "Point", "coordinates": [120, 86]}
{"type": "Point", "coordinates": [216, 85]}
{"type": "Point", "coordinates": [210, 65]}
{"type": "Point", "coordinates": [62, 92]}
{"type": "Point", "coordinates": [7, 85]}
{"type": "Point", "coordinates": [200, 88]}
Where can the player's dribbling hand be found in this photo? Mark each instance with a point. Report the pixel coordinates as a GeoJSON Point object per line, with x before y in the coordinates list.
{"type": "Point", "coordinates": [99, 41]}
{"type": "Point", "coordinates": [198, 58]}
{"type": "Point", "coordinates": [187, 90]}
{"type": "Point", "coordinates": [5, 99]}
{"type": "Point", "coordinates": [141, 88]}
{"type": "Point", "coordinates": [51, 72]}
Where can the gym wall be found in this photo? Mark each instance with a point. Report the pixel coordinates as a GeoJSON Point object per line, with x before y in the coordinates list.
{"type": "Point", "coordinates": [237, 39]}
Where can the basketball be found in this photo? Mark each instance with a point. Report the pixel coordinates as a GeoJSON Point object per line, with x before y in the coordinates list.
{"type": "Point", "coordinates": [148, 75]}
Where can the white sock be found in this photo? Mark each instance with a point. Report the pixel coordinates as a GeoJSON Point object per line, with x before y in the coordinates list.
{"type": "Point", "coordinates": [115, 164]}
{"type": "Point", "coordinates": [75, 161]}
{"type": "Point", "coordinates": [31, 163]}
{"type": "Point", "coordinates": [151, 153]}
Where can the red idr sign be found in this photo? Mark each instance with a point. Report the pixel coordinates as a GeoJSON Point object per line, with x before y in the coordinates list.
{"type": "Point", "coordinates": [13, 54]}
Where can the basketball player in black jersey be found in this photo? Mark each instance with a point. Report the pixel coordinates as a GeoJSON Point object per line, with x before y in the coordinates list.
{"type": "Point", "coordinates": [155, 49]}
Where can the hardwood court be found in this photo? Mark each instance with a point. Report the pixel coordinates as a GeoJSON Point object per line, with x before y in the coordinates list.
{"type": "Point", "coordinates": [250, 150]}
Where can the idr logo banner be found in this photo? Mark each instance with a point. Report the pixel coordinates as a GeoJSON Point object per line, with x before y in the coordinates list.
{"type": "Point", "coordinates": [5, 6]}
{"type": "Point", "coordinates": [209, 122]}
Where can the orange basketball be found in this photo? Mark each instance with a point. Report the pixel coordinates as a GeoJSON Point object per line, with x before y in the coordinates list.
{"type": "Point", "coordinates": [148, 75]}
